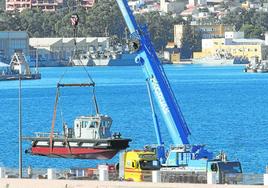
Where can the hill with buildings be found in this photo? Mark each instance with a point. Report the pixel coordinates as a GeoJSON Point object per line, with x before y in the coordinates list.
{"type": "Point", "coordinates": [103, 18]}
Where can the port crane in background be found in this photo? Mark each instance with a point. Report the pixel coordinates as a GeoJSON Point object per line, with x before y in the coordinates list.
{"type": "Point", "coordinates": [183, 156]}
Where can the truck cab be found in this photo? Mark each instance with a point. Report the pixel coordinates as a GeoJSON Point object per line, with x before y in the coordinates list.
{"type": "Point", "coordinates": [138, 165]}
{"type": "Point", "coordinates": [226, 171]}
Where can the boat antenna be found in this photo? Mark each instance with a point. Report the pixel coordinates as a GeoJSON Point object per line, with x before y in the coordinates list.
{"type": "Point", "coordinates": [95, 101]}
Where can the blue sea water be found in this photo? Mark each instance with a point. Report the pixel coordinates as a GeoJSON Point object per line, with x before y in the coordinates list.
{"type": "Point", "coordinates": [225, 108]}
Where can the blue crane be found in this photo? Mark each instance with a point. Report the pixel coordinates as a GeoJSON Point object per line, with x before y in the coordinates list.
{"type": "Point", "coordinates": [158, 86]}
{"type": "Point", "coordinates": [157, 79]}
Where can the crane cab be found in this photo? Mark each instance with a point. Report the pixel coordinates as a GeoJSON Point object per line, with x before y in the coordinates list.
{"type": "Point", "coordinates": [188, 156]}
{"type": "Point", "coordinates": [92, 127]}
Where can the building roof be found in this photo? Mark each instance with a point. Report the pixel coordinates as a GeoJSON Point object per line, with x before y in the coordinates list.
{"type": "Point", "coordinates": [43, 41]}
{"type": "Point", "coordinates": [215, 1]}
{"type": "Point", "coordinates": [13, 34]}
{"type": "Point", "coordinates": [188, 11]}
{"type": "Point", "coordinates": [248, 41]}
{"type": "Point", "coordinates": [102, 39]}
{"type": "Point", "coordinates": [67, 40]}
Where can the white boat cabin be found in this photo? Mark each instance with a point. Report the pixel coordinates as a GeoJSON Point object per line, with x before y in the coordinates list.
{"type": "Point", "coordinates": [19, 64]}
{"type": "Point", "coordinates": [92, 127]}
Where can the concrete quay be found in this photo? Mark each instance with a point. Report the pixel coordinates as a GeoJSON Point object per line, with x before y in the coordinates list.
{"type": "Point", "coordinates": [37, 183]}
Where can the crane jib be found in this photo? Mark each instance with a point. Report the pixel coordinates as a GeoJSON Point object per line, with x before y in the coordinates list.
{"type": "Point", "coordinates": [174, 121]}
{"type": "Point", "coordinates": [156, 77]}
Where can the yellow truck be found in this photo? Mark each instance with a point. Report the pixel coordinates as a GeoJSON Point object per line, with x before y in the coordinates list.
{"type": "Point", "coordinates": [137, 165]}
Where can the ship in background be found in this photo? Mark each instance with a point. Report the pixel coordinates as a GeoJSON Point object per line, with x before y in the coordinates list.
{"type": "Point", "coordinates": [257, 65]}
{"type": "Point", "coordinates": [80, 59]}
{"type": "Point", "coordinates": [220, 59]}
{"type": "Point", "coordinates": [115, 55]}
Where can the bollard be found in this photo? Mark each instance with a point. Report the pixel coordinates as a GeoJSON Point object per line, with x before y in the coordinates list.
{"type": "Point", "coordinates": [156, 176]}
{"type": "Point", "coordinates": [2, 172]}
{"type": "Point", "coordinates": [211, 178]}
{"type": "Point", "coordinates": [121, 165]}
{"type": "Point", "coordinates": [265, 179]}
{"type": "Point", "coordinates": [103, 175]}
{"type": "Point", "coordinates": [51, 174]}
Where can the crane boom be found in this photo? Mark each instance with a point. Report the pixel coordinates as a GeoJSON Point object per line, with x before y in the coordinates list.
{"type": "Point", "coordinates": [157, 79]}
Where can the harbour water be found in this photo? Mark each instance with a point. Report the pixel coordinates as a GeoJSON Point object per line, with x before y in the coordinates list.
{"type": "Point", "coordinates": [225, 109]}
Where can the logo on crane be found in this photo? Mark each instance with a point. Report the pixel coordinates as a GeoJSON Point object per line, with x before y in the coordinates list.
{"type": "Point", "coordinates": [160, 96]}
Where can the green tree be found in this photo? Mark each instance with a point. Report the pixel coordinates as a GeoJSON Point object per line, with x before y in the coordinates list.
{"type": "Point", "coordinates": [253, 23]}
{"type": "Point", "coordinates": [2, 4]}
{"type": "Point", "coordinates": [191, 41]}
{"type": "Point", "coordinates": [252, 31]}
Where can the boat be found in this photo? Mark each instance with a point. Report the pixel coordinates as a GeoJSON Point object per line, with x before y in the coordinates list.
{"type": "Point", "coordinates": [18, 69]}
{"type": "Point", "coordinates": [80, 59]}
{"type": "Point", "coordinates": [121, 59]}
{"type": "Point", "coordinates": [221, 59]}
{"type": "Point", "coordinates": [89, 138]}
{"type": "Point", "coordinates": [256, 65]}
{"type": "Point", "coordinates": [263, 66]}
{"type": "Point", "coordinates": [111, 55]}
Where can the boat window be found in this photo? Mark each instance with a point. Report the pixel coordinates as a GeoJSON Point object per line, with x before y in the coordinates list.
{"type": "Point", "coordinates": [93, 124]}
{"type": "Point", "coordinates": [84, 124]}
{"type": "Point", "coordinates": [104, 123]}
{"type": "Point", "coordinates": [214, 167]}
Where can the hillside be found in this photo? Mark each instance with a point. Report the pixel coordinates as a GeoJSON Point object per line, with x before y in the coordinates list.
{"type": "Point", "coordinates": [2, 4]}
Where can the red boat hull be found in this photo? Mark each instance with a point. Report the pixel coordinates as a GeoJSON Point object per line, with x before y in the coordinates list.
{"type": "Point", "coordinates": [77, 148]}
{"type": "Point", "coordinates": [75, 153]}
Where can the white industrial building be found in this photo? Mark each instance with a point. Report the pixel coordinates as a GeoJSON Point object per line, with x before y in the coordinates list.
{"type": "Point", "coordinates": [11, 41]}
{"type": "Point", "coordinates": [62, 48]}
{"type": "Point", "coordinates": [172, 6]}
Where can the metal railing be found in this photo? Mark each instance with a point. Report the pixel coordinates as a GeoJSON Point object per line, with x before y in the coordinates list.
{"type": "Point", "coordinates": [243, 179]}
{"type": "Point", "coordinates": [91, 174]}
{"type": "Point", "coordinates": [36, 173]}
{"type": "Point", "coordinates": [183, 177]}
{"type": "Point", "coordinates": [165, 176]}
{"type": "Point", "coordinates": [47, 135]}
